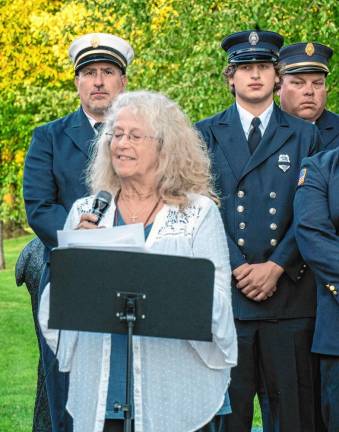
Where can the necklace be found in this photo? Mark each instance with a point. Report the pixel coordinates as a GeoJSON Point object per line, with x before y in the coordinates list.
{"type": "Point", "coordinates": [134, 217]}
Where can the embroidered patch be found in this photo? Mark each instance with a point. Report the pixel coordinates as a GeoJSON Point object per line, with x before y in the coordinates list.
{"type": "Point", "coordinates": [302, 177]}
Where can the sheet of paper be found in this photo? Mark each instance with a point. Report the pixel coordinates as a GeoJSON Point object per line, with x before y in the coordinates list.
{"type": "Point", "coordinates": [129, 237]}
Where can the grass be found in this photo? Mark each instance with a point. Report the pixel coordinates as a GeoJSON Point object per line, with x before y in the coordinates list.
{"type": "Point", "coordinates": [18, 348]}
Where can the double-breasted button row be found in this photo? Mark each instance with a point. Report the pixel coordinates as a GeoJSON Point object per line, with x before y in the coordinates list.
{"type": "Point", "coordinates": [241, 209]}
{"type": "Point", "coordinates": [273, 226]}
{"type": "Point", "coordinates": [242, 225]}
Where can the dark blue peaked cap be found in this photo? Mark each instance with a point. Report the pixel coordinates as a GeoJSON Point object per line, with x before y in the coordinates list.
{"type": "Point", "coordinates": [253, 46]}
{"type": "Point", "coordinates": [305, 58]}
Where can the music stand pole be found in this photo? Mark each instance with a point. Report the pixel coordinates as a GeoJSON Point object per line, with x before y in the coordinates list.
{"type": "Point", "coordinates": [129, 317]}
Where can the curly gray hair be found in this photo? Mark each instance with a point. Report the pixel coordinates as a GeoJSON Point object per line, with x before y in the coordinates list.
{"type": "Point", "coordinates": [183, 164]}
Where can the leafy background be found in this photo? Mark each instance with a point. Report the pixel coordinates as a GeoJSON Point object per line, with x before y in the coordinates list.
{"type": "Point", "coordinates": [177, 48]}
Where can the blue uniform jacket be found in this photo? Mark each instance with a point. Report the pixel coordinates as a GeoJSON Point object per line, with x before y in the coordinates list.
{"type": "Point", "coordinates": [317, 232]}
{"type": "Point", "coordinates": [328, 124]}
{"type": "Point", "coordinates": [54, 173]}
{"type": "Point", "coordinates": [257, 194]}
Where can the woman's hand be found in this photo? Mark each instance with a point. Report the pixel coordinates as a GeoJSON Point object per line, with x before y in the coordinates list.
{"type": "Point", "coordinates": [88, 221]}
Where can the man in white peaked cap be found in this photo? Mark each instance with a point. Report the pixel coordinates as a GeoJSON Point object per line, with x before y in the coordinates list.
{"type": "Point", "coordinates": [54, 172]}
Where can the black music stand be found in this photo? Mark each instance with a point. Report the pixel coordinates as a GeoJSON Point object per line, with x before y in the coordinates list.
{"type": "Point", "coordinates": [145, 294]}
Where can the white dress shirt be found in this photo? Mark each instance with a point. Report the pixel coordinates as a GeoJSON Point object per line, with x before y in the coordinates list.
{"type": "Point", "coordinates": [92, 122]}
{"type": "Point", "coordinates": [246, 119]}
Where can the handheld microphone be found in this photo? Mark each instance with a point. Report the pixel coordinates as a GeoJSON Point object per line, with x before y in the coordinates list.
{"type": "Point", "coordinates": [101, 203]}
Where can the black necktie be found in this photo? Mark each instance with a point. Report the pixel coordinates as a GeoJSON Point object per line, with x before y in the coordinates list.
{"type": "Point", "coordinates": [254, 137]}
{"type": "Point", "coordinates": [97, 126]}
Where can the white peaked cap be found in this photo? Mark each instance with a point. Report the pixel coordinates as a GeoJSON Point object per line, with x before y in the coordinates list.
{"type": "Point", "coordinates": [100, 47]}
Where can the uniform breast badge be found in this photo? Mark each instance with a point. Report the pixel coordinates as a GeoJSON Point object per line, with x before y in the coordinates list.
{"type": "Point", "coordinates": [284, 162]}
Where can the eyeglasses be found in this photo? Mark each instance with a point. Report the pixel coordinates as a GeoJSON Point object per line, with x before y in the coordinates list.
{"type": "Point", "coordinates": [134, 138]}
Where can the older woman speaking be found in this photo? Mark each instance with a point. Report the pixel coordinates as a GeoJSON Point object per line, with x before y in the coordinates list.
{"type": "Point", "coordinates": [154, 163]}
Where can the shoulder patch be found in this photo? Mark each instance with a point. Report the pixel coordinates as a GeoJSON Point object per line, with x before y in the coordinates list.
{"type": "Point", "coordinates": [302, 176]}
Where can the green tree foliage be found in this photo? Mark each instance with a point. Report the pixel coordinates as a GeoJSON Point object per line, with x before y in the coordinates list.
{"type": "Point", "coordinates": [177, 47]}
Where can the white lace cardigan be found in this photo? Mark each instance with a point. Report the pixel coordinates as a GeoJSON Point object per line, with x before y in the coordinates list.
{"type": "Point", "coordinates": [178, 385]}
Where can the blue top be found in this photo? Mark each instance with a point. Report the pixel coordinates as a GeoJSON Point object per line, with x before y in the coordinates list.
{"type": "Point", "coordinates": [118, 367]}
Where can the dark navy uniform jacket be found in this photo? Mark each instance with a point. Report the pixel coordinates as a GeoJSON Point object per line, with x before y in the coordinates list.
{"type": "Point", "coordinates": [54, 173]}
{"type": "Point", "coordinates": [328, 124]}
{"type": "Point", "coordinates": [257, 205]}
{"type": "Point", "coordinates": [317, 232]}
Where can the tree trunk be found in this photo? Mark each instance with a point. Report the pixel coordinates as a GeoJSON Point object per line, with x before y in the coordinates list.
{"type": "Point", "coordinates": [2, 254]}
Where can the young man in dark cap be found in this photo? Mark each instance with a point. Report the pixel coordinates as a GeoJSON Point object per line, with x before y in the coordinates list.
{"type": "Point", "coordinates": [304, 68]}
{"type": "Point", "coordinates": [256, 151]}
{"type": "Point", "coordinates": [55, 163]}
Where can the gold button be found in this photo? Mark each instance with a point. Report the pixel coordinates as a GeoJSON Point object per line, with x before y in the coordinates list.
{"type": "Point", "coordinates": [241, 194]}
{"type": "Point", "coordinates": [240, 209]}
{"type": "Point", "coordinates": [272, 211]}
{"type": "Point", "coordinates": [304, 265]}
{"type": "Point", "coordinates": [301, 271]}
{"type": "Point", "coordinates": [332, 287]}
{"type": "Point", "coordinates": [241, 242]}
{"type": "Point", "coordinates": [335, 293]}
{"type": "Point", "coordinates": [273, 226]}
{"type": "Point", "coordinates": [242, 225]}
{"type": "Point", "coordinates": [273, 242]}
{"type": "Point", "coordinates": [273, 195]}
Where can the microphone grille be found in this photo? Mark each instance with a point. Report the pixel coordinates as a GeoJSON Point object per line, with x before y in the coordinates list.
{"type": "Point", "coordinates": [105, 196]}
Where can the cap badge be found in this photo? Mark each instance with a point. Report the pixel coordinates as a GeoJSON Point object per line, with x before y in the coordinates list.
{"type": "Point", "coordinates": [253, 38]}
{"type": "Point", "coordinates": [284, 162]}
{"type": "Point", "coordinates": [309, 49]}
{"type": "Point", "coordinates": [95, 42]}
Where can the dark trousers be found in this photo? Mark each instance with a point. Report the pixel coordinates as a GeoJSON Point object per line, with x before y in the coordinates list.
{"type": "Point", "coordinates": [329, 369]}
{"type": "Point", "coordinates": [275, 356]}
{"type": "Point", "coordinates": [56, 382]}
